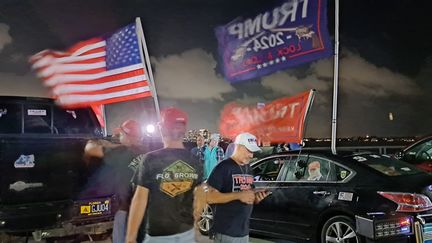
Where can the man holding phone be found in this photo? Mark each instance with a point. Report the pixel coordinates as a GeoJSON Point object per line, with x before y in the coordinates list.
{"type": "Point", "coordinates": [230, 192]}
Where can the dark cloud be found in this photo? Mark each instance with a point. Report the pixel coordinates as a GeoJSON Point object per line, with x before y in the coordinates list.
{"type": "Point", "coordinates": [385, 61]}
{"type": "Point", "coordinates": [189, 75]}
{"type": "Point", "coordinates": [5, 38]}
{"type": "Point", "coordinates": [21, 85]}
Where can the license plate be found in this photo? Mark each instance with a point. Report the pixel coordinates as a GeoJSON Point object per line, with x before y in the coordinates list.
{"type": "Point", "coordinates": [95, 207]}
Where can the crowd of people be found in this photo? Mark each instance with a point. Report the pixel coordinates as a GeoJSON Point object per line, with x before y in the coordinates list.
{"type": "Point", "coordinates": [163, 192]}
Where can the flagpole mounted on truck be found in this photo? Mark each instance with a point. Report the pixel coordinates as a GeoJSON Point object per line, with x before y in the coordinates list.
{"type": "Point", "coordinates": [147, 64]}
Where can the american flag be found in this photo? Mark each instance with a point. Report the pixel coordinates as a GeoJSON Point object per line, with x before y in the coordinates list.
{"type": "Point", "coordinates": [96, 71]}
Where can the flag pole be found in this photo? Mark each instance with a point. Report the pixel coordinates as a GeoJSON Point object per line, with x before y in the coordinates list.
{"type": "Point", "coordinates": [105, 129]}
{"type": "Point", "coordinates": [335, 79]}
{"type": "Point", "coordinates": [147, 65]}
{"type": "Point", "coordinates": [310, 101]}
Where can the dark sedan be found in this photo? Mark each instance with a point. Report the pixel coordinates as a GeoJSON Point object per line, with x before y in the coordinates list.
{"type": "Point", "coordinates": [418, 154]}
{"type": "Point", "coordinates": [320, 197]}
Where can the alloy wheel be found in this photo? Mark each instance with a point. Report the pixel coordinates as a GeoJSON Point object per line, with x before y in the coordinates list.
{"type": "Point", "coordinates": [206, 221]}
{"type": "Point", "coordinates": [341, 232]}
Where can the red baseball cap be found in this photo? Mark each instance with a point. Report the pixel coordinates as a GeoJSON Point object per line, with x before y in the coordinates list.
{"type": "Point", "coordinates": [170, 116]}
{"type": "Point", "coordinates": [131, 128]}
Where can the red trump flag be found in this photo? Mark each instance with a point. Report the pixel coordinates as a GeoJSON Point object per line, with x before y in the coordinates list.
{"type": "Point", "coordinates": [97, 71]}
{"type": "Point", "coordinates": [280, 121]}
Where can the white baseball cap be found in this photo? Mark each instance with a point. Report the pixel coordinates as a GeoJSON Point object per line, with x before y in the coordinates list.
{"type": "Point", "coordinates": [248, 140]}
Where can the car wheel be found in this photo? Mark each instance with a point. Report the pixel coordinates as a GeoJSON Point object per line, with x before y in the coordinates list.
{"type": "Point", "coordinates": [206, 221]}
{"type": "Point", "coordinates": [339, 229]}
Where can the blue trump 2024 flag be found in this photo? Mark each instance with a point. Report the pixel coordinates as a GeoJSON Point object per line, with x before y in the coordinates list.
{"type": "Point", "coordinates": [290, 34]}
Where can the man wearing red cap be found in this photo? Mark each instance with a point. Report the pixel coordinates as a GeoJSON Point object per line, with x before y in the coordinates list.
{"type": "Point", "coordinates": [117, 170]}
{"type": "Point", "coordinates": [165, 181]}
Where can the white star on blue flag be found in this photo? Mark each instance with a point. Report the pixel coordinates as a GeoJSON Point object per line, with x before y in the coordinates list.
{"type": "Point", "coordinates": [124, 43]}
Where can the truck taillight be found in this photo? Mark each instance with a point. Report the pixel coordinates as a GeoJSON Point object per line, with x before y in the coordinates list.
{"type": "Point", "coordinates": [408, 202]}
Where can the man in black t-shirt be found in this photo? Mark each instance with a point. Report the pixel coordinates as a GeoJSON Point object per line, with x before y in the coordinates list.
{"type": "Point", "coordinates": [116, 172]}
{"type": "Point", "coordinates": [165, 182]}
{"type": "Point", "coordinates": [231, 192]}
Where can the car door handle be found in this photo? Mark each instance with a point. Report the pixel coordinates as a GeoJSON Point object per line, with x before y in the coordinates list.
{"type": "Point", "coordinates": [322, 193]}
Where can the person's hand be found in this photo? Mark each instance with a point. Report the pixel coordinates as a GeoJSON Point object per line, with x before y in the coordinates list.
{"type": "Point", "coordinates": [130, 240]}
{"type": "Point", "coordinates": [247, 197]}
{"type": "Point", "coordinates": [260, 195]}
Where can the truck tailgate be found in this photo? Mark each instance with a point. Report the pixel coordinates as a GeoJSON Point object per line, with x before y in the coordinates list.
{"type": "Point", "coordinates": [36, 169]}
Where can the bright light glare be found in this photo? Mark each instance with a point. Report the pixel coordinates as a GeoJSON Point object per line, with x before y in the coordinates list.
{"type": "Point", "coordinates": [150, 128]}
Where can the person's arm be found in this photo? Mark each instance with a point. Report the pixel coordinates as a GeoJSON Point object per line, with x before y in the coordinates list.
{"type": "Point", "coordinates": [214, 185]}
{"type": "Point", "coordinates": [140, 198]}
{"type": "Point", "coordinates": [204, 194]}
{"type": "Point", "coordinates": [136, 213]}
{"type": "Point", "coordinates": [199, 203]}
{"type": "Point", "coordinates": [95, 148]}
{"type": "Point", "coordinates": [213, 196]}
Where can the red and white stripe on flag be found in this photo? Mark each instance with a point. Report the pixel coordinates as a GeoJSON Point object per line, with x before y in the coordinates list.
{"type": "Point", "coordinates": [96, 71]}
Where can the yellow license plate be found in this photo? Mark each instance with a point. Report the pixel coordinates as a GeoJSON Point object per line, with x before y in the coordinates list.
{"type": "Point", "coordinates": [95, 207]}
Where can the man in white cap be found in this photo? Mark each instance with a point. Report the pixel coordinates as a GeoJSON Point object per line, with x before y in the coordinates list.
{"type": "Point", "coordinates": [230, 192]}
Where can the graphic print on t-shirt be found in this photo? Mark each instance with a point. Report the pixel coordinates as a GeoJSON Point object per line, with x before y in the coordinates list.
{"type": "Point", "coordinates": [177, 178]}
{"type": "Point", "coordinates": [241, 182]}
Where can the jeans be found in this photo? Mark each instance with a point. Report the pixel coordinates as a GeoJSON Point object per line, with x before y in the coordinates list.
{"type": "Point", "coordinates": [119, 227]}
{"type": "Point", "coordinates": [220, 238]}
{"type": "Point", "coordinates": [185, 237]}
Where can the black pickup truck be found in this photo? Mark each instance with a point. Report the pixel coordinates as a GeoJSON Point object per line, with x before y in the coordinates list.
{"type": "Point", "coordinates": [48, 187]}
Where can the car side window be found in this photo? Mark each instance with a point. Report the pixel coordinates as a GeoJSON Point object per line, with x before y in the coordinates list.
{"type": "Point", "coordinates": [313, 169]}
{"type": "Point", "coordinates": [340, 173]}
{"type": "Point", "coordinates": [268, 170]}
{"type": "Point", "coordinates": [295, 168]}
{"type": "Point", "coordinates": [73, 121]}
{"type": "Point", "coordinates": [10, 118]}
{"type": "Point", "coordinates": [308, 169]}
{"type": "Point", "coordinates": [421, 152]}
{"type": "Point", "coordinates": [37, 118]}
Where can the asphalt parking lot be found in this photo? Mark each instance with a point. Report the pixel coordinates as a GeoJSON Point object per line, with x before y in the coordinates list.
{"type": "Point", "coordinates": [253, 239]}
{"type": "Point", "coordinates": [200, 239]}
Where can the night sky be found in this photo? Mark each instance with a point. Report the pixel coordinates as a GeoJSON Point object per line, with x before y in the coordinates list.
{"type": "Point", "coordinates": [385, 65]}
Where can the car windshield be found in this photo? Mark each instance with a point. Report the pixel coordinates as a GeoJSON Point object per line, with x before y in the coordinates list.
{"type": "Point", "coordinates": [386, 165]}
